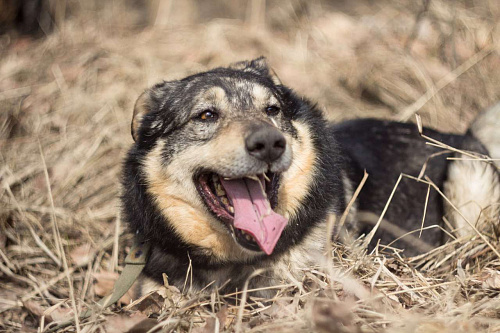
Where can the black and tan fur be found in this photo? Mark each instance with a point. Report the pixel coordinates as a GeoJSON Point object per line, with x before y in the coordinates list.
{"type": "Point", "coordinates": [318, 169]}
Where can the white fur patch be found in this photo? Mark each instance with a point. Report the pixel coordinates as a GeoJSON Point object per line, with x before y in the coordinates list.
{"type": "Point", "coordinates": [147, 285]}
{"type": "Point", "coordinates": [301, 257]}
{"type": "Point", "coordinates": [474, 188]}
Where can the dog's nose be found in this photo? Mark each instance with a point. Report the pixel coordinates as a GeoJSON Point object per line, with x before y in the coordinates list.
{"type": "Point", "coordinates": [266, 143]}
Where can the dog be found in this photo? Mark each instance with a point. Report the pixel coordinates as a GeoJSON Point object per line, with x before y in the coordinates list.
{"type": "Point", "coordinates": [233, 178]}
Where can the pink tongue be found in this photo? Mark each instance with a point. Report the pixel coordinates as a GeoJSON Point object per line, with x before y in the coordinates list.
{"type": "Point", "coordinates": [253, 213]}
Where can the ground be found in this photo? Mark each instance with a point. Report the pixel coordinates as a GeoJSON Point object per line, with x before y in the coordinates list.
{"type": "Point", "coordinates": [66, 102]}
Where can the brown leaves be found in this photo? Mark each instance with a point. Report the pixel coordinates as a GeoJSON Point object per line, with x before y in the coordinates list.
{"type": "Point", "coordinates": [490, 279]}
{"type": "Point", "coordinates": [282, 309]}
{"type": "Point", "coordinates": [81, 255]}
{"type": "Point", "coordinates": [105, 282]}
{"type": "Point", "coordinates": [156, 301]}
{"type": "Point", "coordinates": [136, 323]}
{"type": "Point", "coordinates": [34, 307]}
{"type": "Point", "coordinates": [53, 313]}
{"type": "Point", "coordinates": [331, 316]}
{"type": "Point", "coordinates": [150, 304]}
{"type": "Point", "coordinates": [212, 323]}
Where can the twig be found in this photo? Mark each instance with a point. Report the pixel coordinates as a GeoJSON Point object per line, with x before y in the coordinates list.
{"type": "Point", "coordinates": [422, 288]}
{"type": "Point", "coordinates": [59, 243]}
{"type": "Point", "coordinates": [395, 279]}
{"type": "Point", "coordinates": [237, 326]}
{"type": "Point", "coordinates": [113, 265]}
{"type": "Point", "coordinates": [428, 181]}
{"type": "Point", "coordinates": [372, 218]}
{"type": "Point", "coordinates": [369, 237]}
{"type": "Point", "coordinates": [14, 93]}
{"type": "Point", "coordinates": [443, 82]}
{"type": "Point", "coordinates": [425, 210]}
{"type": "Point", "coordinates": [352, 200]}
{"type": "Point", "coordinates": [37, 239]}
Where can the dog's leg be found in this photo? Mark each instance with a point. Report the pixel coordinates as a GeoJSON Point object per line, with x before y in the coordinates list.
{"type": "Point", "coordinates": [487, 129]}
{"type": "Point", "coordinates": [473, 186]}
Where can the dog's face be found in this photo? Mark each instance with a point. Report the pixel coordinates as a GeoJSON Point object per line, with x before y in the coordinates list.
{"type": "Point", "coordinates": [227, 160]}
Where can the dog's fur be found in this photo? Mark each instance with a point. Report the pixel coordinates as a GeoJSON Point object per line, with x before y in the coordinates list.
{"type": "Point", "coordinates": [318, 170]}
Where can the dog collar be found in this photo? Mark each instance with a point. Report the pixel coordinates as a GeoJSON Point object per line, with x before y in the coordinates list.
{"type": "Point", "coordinates": [134, 264]}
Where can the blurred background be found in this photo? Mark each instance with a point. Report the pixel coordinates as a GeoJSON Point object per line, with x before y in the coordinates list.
{"type": "Point", "coordinates": [70, 71]}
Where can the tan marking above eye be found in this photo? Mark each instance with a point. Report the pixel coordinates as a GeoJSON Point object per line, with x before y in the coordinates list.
{"type": "Point", "coordinates": [262, 97]}
{"type": "Point", "coordinates": [215, 96]}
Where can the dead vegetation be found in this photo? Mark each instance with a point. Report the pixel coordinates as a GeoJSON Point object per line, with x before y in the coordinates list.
{"type": "Point", "coordinates": [65, 110]}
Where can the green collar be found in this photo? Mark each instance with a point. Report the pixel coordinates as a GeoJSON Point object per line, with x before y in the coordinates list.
{"type": "Point", "coordinates": [134, 264]}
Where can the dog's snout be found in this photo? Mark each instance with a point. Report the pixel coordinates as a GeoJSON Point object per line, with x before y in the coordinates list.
{"type": "Point", "coordinates": [266, 143]}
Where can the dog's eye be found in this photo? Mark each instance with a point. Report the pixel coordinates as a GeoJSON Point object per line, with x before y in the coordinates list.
{"type": "Point", "coordinates": [272, 110]}
{"type": "Point", "coordinates": [208, 115]}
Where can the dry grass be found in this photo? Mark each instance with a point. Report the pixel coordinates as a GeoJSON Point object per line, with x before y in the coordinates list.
{"type": "Point", "coordinates": [65, 109]}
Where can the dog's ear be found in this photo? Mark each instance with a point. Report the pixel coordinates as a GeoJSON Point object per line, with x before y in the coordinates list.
{"type": "Point", "coordinates": [142, 108]}
{"type": "Point", "coordinates": [258, 66]}
{"type": "Point", "coordinates": [151, 110]}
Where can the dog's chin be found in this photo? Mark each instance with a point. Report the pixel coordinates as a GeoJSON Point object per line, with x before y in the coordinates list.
{"type": "Point", "coordinates": [220, 204]}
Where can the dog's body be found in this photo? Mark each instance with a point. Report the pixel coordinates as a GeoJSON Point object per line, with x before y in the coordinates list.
{"type": "Point", "coordinates": [186, 191]}
{"type": "Point", "coordinates": [386, 150]}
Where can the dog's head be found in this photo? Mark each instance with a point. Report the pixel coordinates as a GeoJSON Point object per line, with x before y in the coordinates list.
{"type": "Point", "coordinates": [227, 157]}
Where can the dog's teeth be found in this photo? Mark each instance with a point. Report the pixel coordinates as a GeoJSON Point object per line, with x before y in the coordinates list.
{"type": "Point", "coordinates": [216, 180]}
{"type": "Point", "coordinates": [231, 209]}
{"type": "Point", "coordinates": [247, 236]}
{"type": "Point", "coordinates": [224, 201]}
{"type": "Point", "coordinates": [219, 190]}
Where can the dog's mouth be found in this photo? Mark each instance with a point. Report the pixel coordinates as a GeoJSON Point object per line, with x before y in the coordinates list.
{"type": "Point", "coordinates": [245, 206]}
